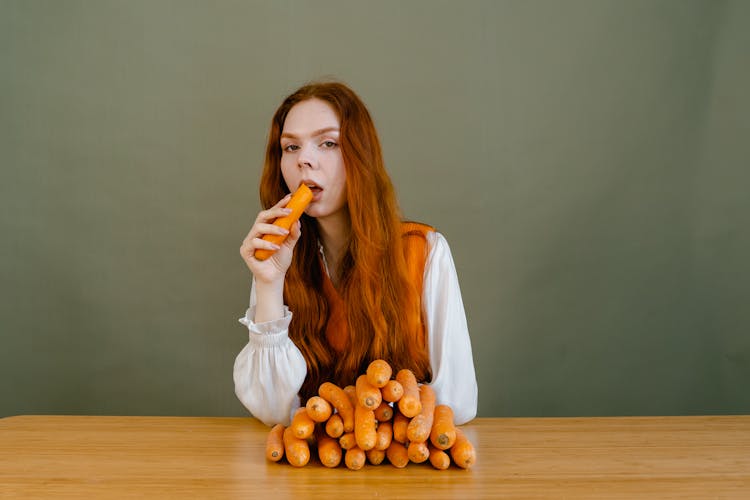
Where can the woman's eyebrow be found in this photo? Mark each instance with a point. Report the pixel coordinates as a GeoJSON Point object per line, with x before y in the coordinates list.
{"type": "Point", "coordinates": [315, 133]}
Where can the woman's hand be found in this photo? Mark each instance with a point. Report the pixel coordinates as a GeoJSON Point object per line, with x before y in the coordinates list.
{"type": "Point", "coordinates": [273, 269]}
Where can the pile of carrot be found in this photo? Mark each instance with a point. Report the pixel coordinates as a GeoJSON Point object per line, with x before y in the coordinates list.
{"type": "Point", "coordinates": [379, 417]}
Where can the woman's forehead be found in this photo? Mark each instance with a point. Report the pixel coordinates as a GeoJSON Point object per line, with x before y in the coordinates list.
{"type": "Point", "coordinates": [309, 116]}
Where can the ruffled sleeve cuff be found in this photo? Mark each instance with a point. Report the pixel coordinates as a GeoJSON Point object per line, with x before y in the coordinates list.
{"type": "Point", "coordinates": [269, 333]}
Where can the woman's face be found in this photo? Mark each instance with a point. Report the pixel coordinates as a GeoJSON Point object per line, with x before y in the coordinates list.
{"type": "Point", "coordinates": [311, 154]}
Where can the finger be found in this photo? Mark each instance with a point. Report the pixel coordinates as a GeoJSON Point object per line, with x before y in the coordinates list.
{"type": "Point", "coordinates": [260, 244]}
{"type": "Point", "coordinates": [255, 240]}
{"type": "Point", "coordinates": [247, 250]}
{"type": "Point", "coordinates": [262, 230]}
{"type": "Point", "coordinates": [272, 214]}
{"type": "Point", "coordinates": [294, 234]}
{"type": "Point", "coordinates": [281, 203]}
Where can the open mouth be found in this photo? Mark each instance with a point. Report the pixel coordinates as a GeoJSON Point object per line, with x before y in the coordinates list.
{"type": "Point", "coordinates": [316, 190]}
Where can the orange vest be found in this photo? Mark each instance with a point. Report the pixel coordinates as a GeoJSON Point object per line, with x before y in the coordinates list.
{"type": "Point", "coordinates": [416, 250]}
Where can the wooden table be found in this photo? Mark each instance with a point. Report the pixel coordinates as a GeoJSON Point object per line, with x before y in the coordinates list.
{"type": "Point", "coordinates": [181, 457]}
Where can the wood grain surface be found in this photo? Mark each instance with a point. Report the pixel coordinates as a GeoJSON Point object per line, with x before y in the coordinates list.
{"type": "Point", "coordinates": [191, 457]}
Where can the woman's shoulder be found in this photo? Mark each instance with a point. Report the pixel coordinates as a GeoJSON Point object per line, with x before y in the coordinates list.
{"type": "Point", "coordinates": [411, 230]}
{"type": "Point", "coordinates": [426, 242]}
{"type": "Point", "coordinates": [416, 228]}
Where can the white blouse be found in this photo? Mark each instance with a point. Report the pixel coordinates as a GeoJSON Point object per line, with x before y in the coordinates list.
{"type": "Point", "coordinates": [270, 369]}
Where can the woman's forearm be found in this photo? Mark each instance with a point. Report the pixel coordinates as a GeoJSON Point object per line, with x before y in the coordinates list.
{"type": "Point", "coordinates": [269, 301]}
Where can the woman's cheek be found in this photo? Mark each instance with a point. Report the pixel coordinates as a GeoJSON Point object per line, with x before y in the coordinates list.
{"type": "Point", "coordinates": [290, 177]}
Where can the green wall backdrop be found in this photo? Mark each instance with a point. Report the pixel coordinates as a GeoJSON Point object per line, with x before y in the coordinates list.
{"type": "Point", "coordinates": [587, 161]}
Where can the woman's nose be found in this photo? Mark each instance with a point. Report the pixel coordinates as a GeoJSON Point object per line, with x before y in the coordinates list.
{"type": "Point", "coordinates": [306, 158]}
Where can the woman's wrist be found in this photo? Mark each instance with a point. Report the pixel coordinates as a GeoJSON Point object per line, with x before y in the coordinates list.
{"type": "Point", "coordinates": [269, 301]}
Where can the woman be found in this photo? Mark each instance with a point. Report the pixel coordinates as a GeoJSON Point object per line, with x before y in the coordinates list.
{"type": "Point", "coordinates": [351, 283]}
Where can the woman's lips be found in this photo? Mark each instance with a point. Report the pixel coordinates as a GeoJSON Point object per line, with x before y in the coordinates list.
{"type": "Point", "coordinates": [316, 191]}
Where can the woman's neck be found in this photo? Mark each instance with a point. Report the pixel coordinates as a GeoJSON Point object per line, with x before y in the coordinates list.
{"type": "Point", "coordinates": [334, 232]}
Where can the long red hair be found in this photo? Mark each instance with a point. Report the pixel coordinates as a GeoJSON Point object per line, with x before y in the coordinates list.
{"type": "Point", "coordinates": [383, 308]}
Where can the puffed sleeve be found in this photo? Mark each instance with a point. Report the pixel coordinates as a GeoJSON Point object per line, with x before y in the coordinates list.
{"type": "Point", "coordinates": [270, 369]}
{"type": "Point", "coordinates": [453, 376]}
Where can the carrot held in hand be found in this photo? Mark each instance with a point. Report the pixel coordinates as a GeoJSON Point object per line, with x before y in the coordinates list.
{"type": "Point", "coordinates": [275, 443]}
{"type": "Point", "coordinates": [300, 199]}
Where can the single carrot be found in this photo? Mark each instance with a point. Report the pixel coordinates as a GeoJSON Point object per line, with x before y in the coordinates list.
{"type": "Point", "coordinates": [364, 428]}
{"type": "Point", "coordinates": [418, 452]}
{"type": "Point", "coordinates": [335, 426]}
{"type": "Point", "coordinates": [375, 456]}
{"type": "Point", "coordinates": [439, 458]}
{"type": "Point", "coordinates": [298, 203]}
{"type": "Point", "coordinates": [354, 458]}
{"type": "Point", "coordinates": [397, 455]}
{"type": "Point", "coordinates": [348, 440]}
{"type": "Point", "coordinates": [379, 373]}
{"type": "Point", "coordinates": [367, 394]}
{"type": "Point", "coordinates": [421, 425]}
{"type": "Point", "coordinates": [392, 391]}
{"type": "Point", "coordinates": [275, 443]}
{"type": "Point", "coordinates": [297, 451]}
{"type": "Point", "coordinates": [443, 433]}
{"type": "Point", "coordinates": [400, 424]}
{"type": "Point", "coordinates": [318, 409]}
{"type": "Point", "coordinates": [302, 425]}
{"type": "Point", "coordinates": [351, 392]}
{"type": "Point", "coordinates": [329, 451]}
{"type": "Point", "coordinates": [384, 412]}
{"type": "Point", "coordinates": [384, 435]}
{"type": "Point", "coordinates": [338, 398]}
{"type": "Point", "coordinates": [409, 403]}
{"type": "Point", "coordinates": [463, 453]}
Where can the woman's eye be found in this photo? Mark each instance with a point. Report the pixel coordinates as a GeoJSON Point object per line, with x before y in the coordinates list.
{"type": "Point", "coordinates": [290, 148]}
{"type": "Point", "coordinates": [329, 144]}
